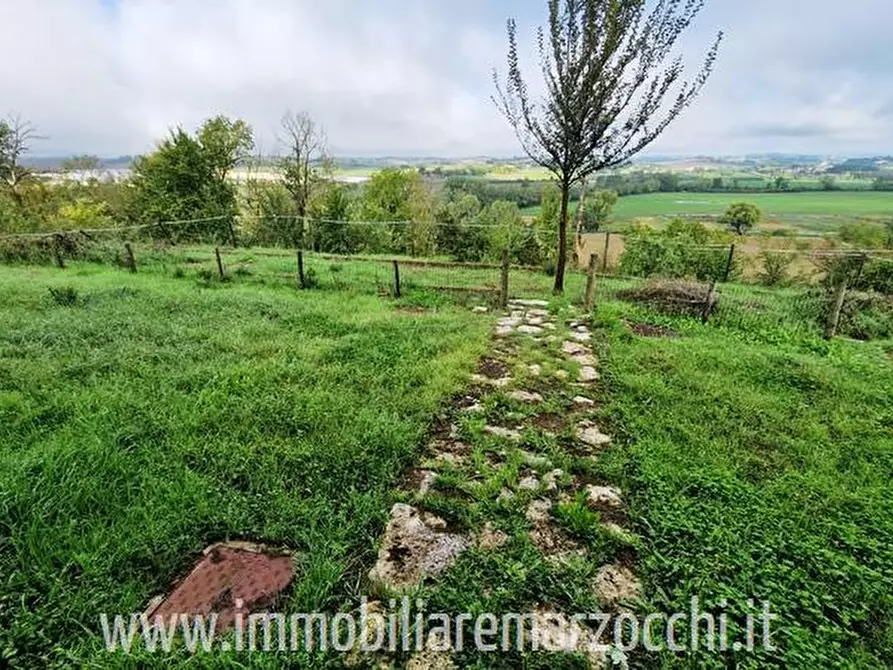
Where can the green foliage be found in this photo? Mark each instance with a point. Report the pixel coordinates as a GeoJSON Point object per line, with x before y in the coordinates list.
{"type": "Point", "coordinates": [598, 210]}
{"type": "Point", "coordinates": [65, 296]}
{"type": "Point", "coordinates": [459, 235]}
{"type": "Point", "coordinates": [675, 252]}
{"type": "Point", "coordinates": [863, 235]}
{"type": "Point", "coordinates": [181, 180]}
{"type": "Point", "coordinates": [776, 266]}
{"type": "Point", "coordinates": [741, 217]}
{"type": "Point", "coordinates": [225, 143]}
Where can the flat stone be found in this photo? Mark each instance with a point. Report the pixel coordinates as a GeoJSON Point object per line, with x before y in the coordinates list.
{"type": "Point", "coordinates": [480, 309]}
{"type": "Point", "coordinates": [538, 312]}
{"type": "Point", "coordinates": [583, 401]}
{"type": "Point", "coordinates": [530, 330]}
{"type": "Point", "coordinates": [530, 483]}
{"type": "Point", "coordinates": [415, 545]}
{"type": "Point", "coordinates": [518, 315]}
{"type": "Point", "coordinates": [554, 632]}
{"type": "Point", "coordinates": [586, 359]}
{"type": "Point", "coordinates": [505, 495]}
{"type": "Point", "coordinates": [580, 328]}
{"type": "Point", "coordinates": [535, 369]}
{"type": "Point", "coordinates": [604, 496]}
{"type": "Point", "coordinates": [435, 656]}
{"type": "Point", "coordinates": [473, 409]}
{"type": "Point", "coordinates": [499, 383]}
{"type": "Point", "coordinates": [502, 331]}
{"type": "Point", "coordinates": [448, 458]}
{"type": "Point", "coordinates": [591, 435]}
{"type": "Point", "coordinates": [528, 303]}
{"type": "Point", "coordinates": [588, 374]}
{"type": "Point", "coordinates": [561, 374]}
{"type": "Point", "coordinates": [534, 460]}
{"type": "Point", "coordinates": [538, 511]}
{"type": "Point", "coordinates": [426, 479]}
{"type": "Point", "coordinates": [615, 584]}
{"type": "Point", "coordinates": [575, 349]}
{"type": "Point", "coordinates": [581, 337]}
{"type": "Point", "coordinates": [507, 433]}
{"type": "Point", "coordinates": [526, 396]}
{"type": "Point", "coordinates": [549, 326]}
{"type": "Point", "coordinates": [490, 538]}
{"type": "Point", "coordinates": [535, 320]}
{"type": "Point", "coordinates": [509, 322]}
{"type": "Point", "coordinates": [551, 479]}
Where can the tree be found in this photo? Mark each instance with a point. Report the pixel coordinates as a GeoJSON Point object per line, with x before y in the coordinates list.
{"type": "Point", "coordinates": [16, 136]}
{"type": "Point", "coordinates": [82, 163]}
{"type": "Point", "coordinates": [741, 217]}
{"type": "Point", "coordinates": [305, 163]}
{"type": "Point", "coordinates": [828, 183]}
{"type": "Point", "coordinates": [606, 79]}
{"type": "Point", "coordinates": [598, 210]}
{"type": "Point", "coordinates": [226, 144]}
{"type": "Point", "coordinates": [782, 183]}
{"type": "Point", "coordinates": [180, 181]}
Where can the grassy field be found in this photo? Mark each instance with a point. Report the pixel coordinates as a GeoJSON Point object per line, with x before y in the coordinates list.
{"type": "Point", "coordinates": [758, 463]}
{"type": "Point", "coordinates": [806, 212]}
{"type": "Point", "coordinates": [158, 415]}
{"type": "Point", "coordinates": [163, 411]}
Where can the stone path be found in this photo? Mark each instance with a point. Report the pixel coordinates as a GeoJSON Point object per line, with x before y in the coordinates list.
{"type": "Point", "coordinates": [549, 372]}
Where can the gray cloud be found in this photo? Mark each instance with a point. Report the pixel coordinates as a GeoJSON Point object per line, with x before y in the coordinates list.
{"type": "Point", "coordinates": [111, 76]}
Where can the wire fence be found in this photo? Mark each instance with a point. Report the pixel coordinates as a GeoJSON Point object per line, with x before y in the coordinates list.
{"type": "Point", "coordinates": [743, 286]}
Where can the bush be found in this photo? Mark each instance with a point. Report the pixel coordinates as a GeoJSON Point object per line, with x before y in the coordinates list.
{"type": "Point", "coordinates": [673, 254]}
{"type": "Point", "coordinates": [775, 267]}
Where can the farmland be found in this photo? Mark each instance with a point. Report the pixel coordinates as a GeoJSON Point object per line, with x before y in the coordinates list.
{"type": "Point", "coordinates": [807, 212]}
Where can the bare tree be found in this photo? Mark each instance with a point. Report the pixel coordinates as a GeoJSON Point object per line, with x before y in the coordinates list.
{"type": "Point", "coordinates": [16, 136]}
{"type": "Point", "coordinates": [304, 161]}
{"type": "Point", "coordinates": [607, 78]}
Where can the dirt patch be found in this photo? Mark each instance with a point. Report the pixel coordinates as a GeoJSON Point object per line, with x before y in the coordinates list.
{"type": "Point", "coordinates": [649, 330]}
{"type": "Point", "coordinates": [550, 423]}
{"type": "Point", "coordinates": [493, 369]}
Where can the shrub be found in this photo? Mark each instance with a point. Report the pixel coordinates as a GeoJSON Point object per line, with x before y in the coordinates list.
{"type": "Point", "coordinates": [775, 267]}
{"type": "Point", "coordinates": [65, 296]}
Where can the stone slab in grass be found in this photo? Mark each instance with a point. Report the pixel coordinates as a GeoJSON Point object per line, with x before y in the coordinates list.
{"type": "Point", "coordinates": [416, 545]}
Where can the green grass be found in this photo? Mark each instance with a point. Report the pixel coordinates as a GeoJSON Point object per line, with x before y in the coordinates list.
{"type": "Point", "coordinates": [808, 211]}
{"type": "Point", "coordinates": [757, 465]}
{"type": "Point", "coordinates": [152, 416]}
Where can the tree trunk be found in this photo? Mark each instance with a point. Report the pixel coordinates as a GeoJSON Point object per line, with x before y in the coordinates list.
{"type": "Point", "coordinates": [562, 238]}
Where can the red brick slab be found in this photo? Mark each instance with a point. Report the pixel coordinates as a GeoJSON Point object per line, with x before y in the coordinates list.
{"type": "Point", "coordinates": [229, 578]}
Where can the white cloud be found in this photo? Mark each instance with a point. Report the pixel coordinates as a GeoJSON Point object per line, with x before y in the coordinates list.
{"type": "Point", "coordinates": [384, 76]}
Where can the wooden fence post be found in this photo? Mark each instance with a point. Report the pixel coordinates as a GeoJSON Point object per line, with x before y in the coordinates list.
{"type": "Point", "coordinates": [607, 244]}
{"type": "Point", "coordinates": [131, 261]}
{"type": "Point", "coordinates": [725, 276]}
{"type": "Point", "coordinates": [397, 292]}
{"type": "Point", "coordinates": [836, 307]}
{"type": "Point", "coordinates": [57, 253]}
{"type": "Point", "coordinates": [219, 262]}
{"type": "Point", "coordinates": [301, 281]}
{"type": "Point", "coordinates": [504, 280]}
{"type": "Point", "coordinates": [590, 281]}
{"type": "Point", "coordinates": [709, 301]}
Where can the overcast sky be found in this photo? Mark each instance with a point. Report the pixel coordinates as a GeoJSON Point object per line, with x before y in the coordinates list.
{"type": "Point", "coordinates": [412, 77]}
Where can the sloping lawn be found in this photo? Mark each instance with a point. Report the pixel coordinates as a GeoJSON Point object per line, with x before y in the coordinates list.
{"type": "Point", "coordinates": [758, 465]}
{"type": "Point", "coordinates": [143, 418]}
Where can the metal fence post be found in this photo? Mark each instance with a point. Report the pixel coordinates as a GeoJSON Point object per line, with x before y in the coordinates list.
{"type": "Point", "coordinates": [397, 292]}
{"type": "Point", "coordinates": [301, 283]}
{"type": "Point", "coordinates": [725, 276]}
{"type": "Point", "coordinates": [219, 262]}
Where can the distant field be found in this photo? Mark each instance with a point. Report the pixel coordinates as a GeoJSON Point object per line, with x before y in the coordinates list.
{"type": "Point", "coordinates": [808, 212]}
